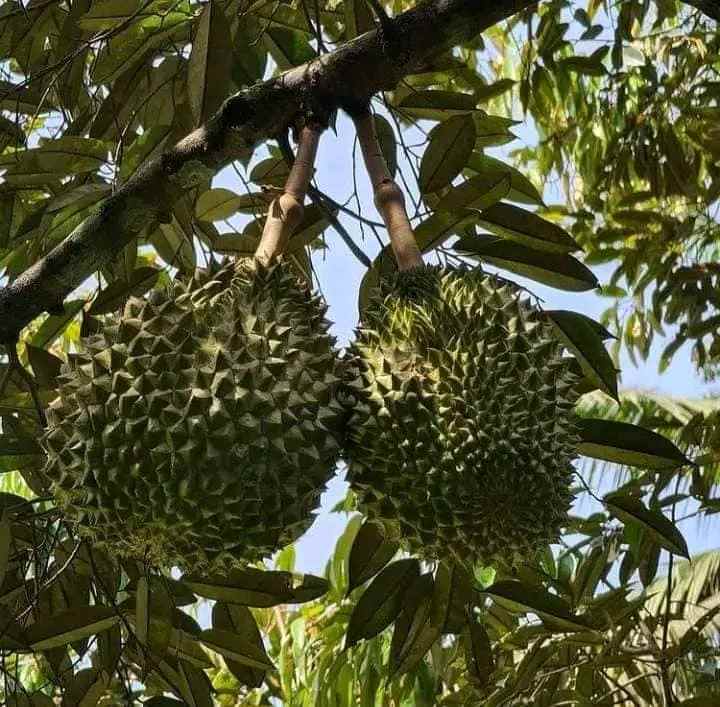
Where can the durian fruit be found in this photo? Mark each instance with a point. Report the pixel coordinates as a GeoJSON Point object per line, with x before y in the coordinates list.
{"type": "Point", "coordinates": [200, 428]}
{"type": "Point", "coordinates": [462, 432]}
{"type": "Point", "coordinates": [461, 436]}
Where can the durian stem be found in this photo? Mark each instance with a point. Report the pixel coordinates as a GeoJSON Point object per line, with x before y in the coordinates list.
{"type": "Point", "coordinates": [286, 211]}
{"type": "Point", "coordinates": [389, 198]}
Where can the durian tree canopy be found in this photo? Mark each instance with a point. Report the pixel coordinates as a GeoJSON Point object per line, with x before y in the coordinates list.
{"type": "Point", "coordinates": [172, 403]}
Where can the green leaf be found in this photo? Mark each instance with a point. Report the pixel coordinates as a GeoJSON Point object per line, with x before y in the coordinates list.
{"type": "Point", "coordinates": [371, 551]}
{"type": "Point", "coordinates": [623, 443]}
{"type": "Point", "coordinates": [210, 65]}
{"type": "Point", "coordinates": [55, 324]}
{"type": "Point", "coordinates": [462, 596]}
{"type": "Point", "coordinates": [526, 228]}
{"type": "Point", "coordinates": [194, 685]}
{"type": "Point", "coordinates": [534, 598]}
{"type": "Point", "coordinates": [142, 610]}
{"type": "Point", "coordinates": [236, 647]}
{"type": "Point", "coordinates": [288, 47]}
{"type": "Point", "coordinates": [561, 271]}
{"type": "Point", "coordinates": [477, 193]}
{"type": "Point", "coordinates": [583, 338]}
{"type": "Point", "coordinates": [115, 295]}
{"type": "Point", "coordinates": [272, 171]}
{"type": "Point", "coordinates": [382, 601]}
{"type": "Point", "coordinates": [493, 90]}
{"type": "Point", "coordinates": [632, 510]}
{"type": "Point", "coordinates": [53, 159]}
{"type": "Point", "coordinates": [174, 245]}
{"type": "Point", "coordinates": [521, 188]}
{"type": "Point", "coordinates": [478, 652]}
{"type": "Point", "coordinates": [69, 626]}
{"type": "Point", "coordinates": [492, 130]}
{"type": "Point", "coordinates": [239, 620]}
{"type": "Point", "coordinates": [217, 204]}
{"type": "Point", "coordinates": [386, 137]}
{"type": "Point", "coordinates": [261, 588]}
{"type": "Point", "coordinates": [417, 604]}
{"type": "Point", "coordinates": [437, 104]}
{"type": "Point", "coordinates": [450, 144]}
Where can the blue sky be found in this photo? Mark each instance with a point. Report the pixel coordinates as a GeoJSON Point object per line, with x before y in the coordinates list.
{"type": "Point", "coordinates": [339, 274]}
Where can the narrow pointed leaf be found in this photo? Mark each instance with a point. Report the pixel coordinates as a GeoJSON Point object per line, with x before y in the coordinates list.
{"type": "Point", "coordinates": [381, 602]}
{"type": "Point", "coordinates": [478, 652]}
{"type": "Point", "coordinates": [236, 647]}
{"type": "Point", "coordinates": [70, 626]}
{"type": "Point", "coordinates": [55, 324]}
{"type": "Point", "coordinates": [450, 145]}
{"type": "Point", "coordinates": [536, 599]}
{"type": "Point", "coordinates": [556, 270]}
{"type": "Point", "coordinates": [624, 443]}
{"type": "Point", "coordinates": [583, 338]}
{"type": "Point", "coordinates": [371, 551]}
{"type": "Point", "coordinates": [527, 228]}
{"type": "Point", "coordinates": [661, 529]}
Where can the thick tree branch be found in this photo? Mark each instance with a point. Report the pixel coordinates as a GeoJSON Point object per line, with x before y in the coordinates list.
{"type": "Point", "coordinates": [346, 78]}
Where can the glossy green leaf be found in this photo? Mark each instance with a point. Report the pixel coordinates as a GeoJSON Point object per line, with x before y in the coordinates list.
{"type": "Point", "coordinates": [382, 601]}
{"type": "Point", "coordinates": [436, 104]}
{"type": "Point", "coordinates": [583, 338]}
{"type": "Point", "coordinates": [561, 271]}
{"type": "Point", "coordinates": [521, 188]}
{"type": "Point", "coordinates": [624, 443]}
{"type": "Point", "coordinates": [449, 147]}
{"type": "Point", "coordinates": [630, 509]}
{"type": "Point", "coordinates": [527, 228]}
{"type": "Point", "coordinates": [477, 193]}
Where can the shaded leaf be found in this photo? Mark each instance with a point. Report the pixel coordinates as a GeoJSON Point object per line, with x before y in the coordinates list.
{"type": "Point", "coordinates": [115, 294]}
{"type": "Point", "coordinates": [45, 366]}
{"type": "Point", "coordinates": [661, 529]}
{"type": "Point", "coordinates": [381, 602]}
{"type": "Point", "coordinates": [69, 626]}
{"type": "Point", "coordinates": [478, 652]}
{"type": "Point", "coordinates": [55, 324]}
{"type": "Point", "coordinates": [236, 647]}
{"type": "Point", "coordinates": [536, 599]}
{"type": "Point", "coordinates": [371, 551]}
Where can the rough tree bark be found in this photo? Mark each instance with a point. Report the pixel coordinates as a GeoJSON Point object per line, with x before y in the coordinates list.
{"type": "Point", "coordinates": [346, 78]}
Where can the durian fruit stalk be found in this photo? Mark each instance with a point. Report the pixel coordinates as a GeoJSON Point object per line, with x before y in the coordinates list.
{"type": "Point", "coordinates": [200, 428]}
{"type": "Point", "coordinates": [461, 435]}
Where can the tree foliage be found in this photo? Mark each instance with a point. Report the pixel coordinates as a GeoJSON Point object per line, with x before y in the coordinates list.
{"type": "Point", "coordinates": [101, 188]}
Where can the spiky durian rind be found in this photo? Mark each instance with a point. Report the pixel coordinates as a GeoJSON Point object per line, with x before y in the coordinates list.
{"type": "Point", "coordinates": [200, 428]}
{"type": "Point", "coordinates": [462, 433]}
